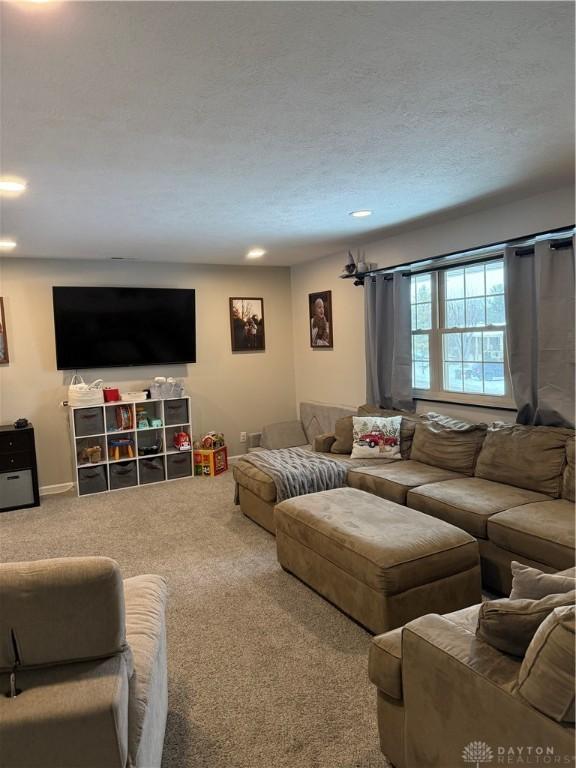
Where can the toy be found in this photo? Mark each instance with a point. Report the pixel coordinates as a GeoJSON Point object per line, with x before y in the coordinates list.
{"type": "Point", "coordinates": [182, 441]}
{"type": "Point", "coordinates": [212, 440]}
{"type": "Point", "coordinates": [143, 424]}
{"type": "Point", "coordinates": [121, 445]}
{"type": "Point", "coordinates": [151, 450]}
{"type": "Point", "coordinates": [124, 419]}
{"type": "Point", "coordinates": [155, 422]}
{"type": "Point", "coordinates": [210, 462]}
{"type": "Point", "coordinates": [91, 455]}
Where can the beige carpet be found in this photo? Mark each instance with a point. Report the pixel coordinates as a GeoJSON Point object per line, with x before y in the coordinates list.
{"type": "Point", "coordinates": [263, 672]}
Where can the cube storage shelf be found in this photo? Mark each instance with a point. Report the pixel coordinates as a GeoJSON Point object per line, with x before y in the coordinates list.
{"type": "Point", "coordinates": [124, 445]}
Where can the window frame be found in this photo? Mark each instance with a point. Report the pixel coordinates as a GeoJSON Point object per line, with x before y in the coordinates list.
{"type": "Point", "coordinates": [436, 333]}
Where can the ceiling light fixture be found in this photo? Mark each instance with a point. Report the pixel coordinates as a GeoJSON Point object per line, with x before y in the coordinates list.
{"type": "Point", "coordinates": [12, 186]}
{"type": "Point", "coordinates": [255, 253]}
{"type": "Point", "coordinates": [7, 245]}
{"type": "Point", "coordinates": [360, 214]}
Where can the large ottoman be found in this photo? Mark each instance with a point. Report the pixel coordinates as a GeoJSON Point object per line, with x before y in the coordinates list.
{"type": "Point", "coordinates": [381, 563]}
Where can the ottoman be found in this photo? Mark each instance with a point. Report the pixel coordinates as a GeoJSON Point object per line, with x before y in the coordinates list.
{"type": "Point", "coordinates": [381, 563]}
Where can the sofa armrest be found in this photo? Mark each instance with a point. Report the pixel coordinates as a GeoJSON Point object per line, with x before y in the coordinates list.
{"type": "Point", "coordinates": [323, 443]}
{"type": "Point", "coordinates": [457, 690]}
{"type": "Point", "coordinates": [283, 434]}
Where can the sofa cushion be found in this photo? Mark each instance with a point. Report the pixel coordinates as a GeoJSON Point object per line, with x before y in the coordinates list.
{"type": "Point", "coordinates": [61, 610]}
{"type": "Point", "coordinates": [527, 457]}
{"type": "Point", "coordinates": [284, 434]}
{"type": "Point", "coordinates": [343, 433]}
{"type": "Point", "coordinates": [393, 481]}
{"type": "Point", "coordinates": [385, 663]}
{"type": "Point", "coordinates": [255, 480]}
{"type": "Point", "coordinates": [510, 625]}
{"type": "Point", "coordinates": [546, 679]}
{"type": "Point", "coordinates": [469, 502]}
{"type": "Point", "coordinates": [568, 479]}
{"type": "Point", "coordinates": [145, 598]}
{"type": "Point", "coordinates": [543, 531]}
{"type": "Point", "coordinates": [448, 448]}
{"type": "Point", "coordinates": [409, 421]}
{"type": "Point", "coordinates": [534, 584]}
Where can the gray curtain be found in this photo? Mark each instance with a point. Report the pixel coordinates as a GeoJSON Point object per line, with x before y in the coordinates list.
{"type": "Point", "coordinates": [388, 342]}
{"type": "Point", "coordinates": [540, 332]}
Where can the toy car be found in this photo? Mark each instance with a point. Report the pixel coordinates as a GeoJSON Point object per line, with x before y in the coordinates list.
{"type": "Point", "coordinates": [373, 439]}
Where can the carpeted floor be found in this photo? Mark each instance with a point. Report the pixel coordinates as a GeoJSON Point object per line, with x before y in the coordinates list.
{"type": "Point", "coordinates": [263, 672]}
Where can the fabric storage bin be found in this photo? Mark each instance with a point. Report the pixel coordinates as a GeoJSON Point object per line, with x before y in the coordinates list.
{"type": "Point", "coordinates": [92, 480]}
{"type": "Point", "coordinates": [151, 470]}
{"type": "Point", "coordinates": [88, 421]}
{"type": "Point", "coordinates": [175, 412]}
{"type": "Point", "coordinates": [179, 465]}
{"type": "Point", "coordinates": [123, 475]}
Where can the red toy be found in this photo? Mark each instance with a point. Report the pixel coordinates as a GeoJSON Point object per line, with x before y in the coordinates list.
{"type": "Point", "coordinates": [182, 441]}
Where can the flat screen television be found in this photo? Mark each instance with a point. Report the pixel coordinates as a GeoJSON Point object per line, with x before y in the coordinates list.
{"type": "Point", "coordinates": [110, 327]}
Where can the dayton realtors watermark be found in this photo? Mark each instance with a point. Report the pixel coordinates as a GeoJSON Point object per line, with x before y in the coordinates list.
{"type": "Point", "coordinates": [478, 754]}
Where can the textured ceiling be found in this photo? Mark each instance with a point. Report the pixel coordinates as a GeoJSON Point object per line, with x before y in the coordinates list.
{"type": "Point", "coordinates": [188, 131]}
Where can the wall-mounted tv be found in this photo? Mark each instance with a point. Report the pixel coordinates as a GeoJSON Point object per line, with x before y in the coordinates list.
{"type": "Point", "coordinates": [111, 327]}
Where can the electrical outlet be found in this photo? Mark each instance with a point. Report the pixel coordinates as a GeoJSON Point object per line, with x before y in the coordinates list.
{"type": "Point", "coordinates": [242, 437]}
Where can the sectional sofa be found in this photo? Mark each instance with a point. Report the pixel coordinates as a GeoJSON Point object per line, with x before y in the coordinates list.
{"type": "Point", "coordinates": [510, 486]}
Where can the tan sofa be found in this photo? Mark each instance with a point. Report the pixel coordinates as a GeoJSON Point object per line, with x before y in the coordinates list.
{"type": "Point", "coordinates": [88, 651]}
{"type": "Point", "coordinates": [511, 487]}
{"type": "Point", "coordinates": [516, 497]}
{"type": "Point", "coordinates": [442, 688]}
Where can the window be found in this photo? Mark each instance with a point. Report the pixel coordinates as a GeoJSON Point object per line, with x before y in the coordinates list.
{"type": "Point", "coordinates": [458, 333]}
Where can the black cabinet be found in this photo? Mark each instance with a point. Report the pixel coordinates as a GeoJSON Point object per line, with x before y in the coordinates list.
{"type": "Point", "coordinates": [18, 470]}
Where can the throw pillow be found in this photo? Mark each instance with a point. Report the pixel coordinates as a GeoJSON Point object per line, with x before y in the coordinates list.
{"type": "Point", "coordinates": [343, 431]}
{"type": "Point", "coordinates": [409, 421]}
{"type": "Point", "coordinates": [510, 625]}
{"type": "Point", "coordinates": [376, 437]}
{"type": "Point", "coordinates": [546, 678]}
{"type": "Point", "coordinates": [446, 447]}
{"type": "Point", "coordinates": [532, 584]}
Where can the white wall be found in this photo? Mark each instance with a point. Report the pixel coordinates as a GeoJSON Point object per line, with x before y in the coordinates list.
{"type": "Point", "coordinates": [338, 376]}
{"type": "Point", "coordinates": [230, 392]}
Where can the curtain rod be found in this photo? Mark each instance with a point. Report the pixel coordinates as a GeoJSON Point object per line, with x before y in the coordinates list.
{"type": "Point", "coordinates": [359, 278]}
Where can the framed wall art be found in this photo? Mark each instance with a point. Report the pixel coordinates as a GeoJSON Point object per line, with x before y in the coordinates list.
{"type": "Point", "coordinates": [320, 320]}
{"type": "Point", "coordinates": [247, 325]}
{"type": "Point", "coordinates": [3, 336]}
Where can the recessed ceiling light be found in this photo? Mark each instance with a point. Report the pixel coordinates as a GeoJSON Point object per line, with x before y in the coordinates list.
{"type": "Point", "coordinates": [360, 214]}
{"type": "Point", "coordinates": [255, 253]}
{"type": "Point", "coordinates": [12, 186]}
{"type": "Point", "coordinates": [7, 245]}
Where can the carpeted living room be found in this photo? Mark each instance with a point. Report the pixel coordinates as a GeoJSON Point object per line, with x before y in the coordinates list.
{"type": "Point", "coordinates": [287, 455]}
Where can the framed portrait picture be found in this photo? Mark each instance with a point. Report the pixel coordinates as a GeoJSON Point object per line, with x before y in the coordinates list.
{"type": "Point", "coordinates": [3, 337]}
{"type": "Point", "coordinates": [320, 319]}
{"type": "Point", "coordinates": [247, 325]}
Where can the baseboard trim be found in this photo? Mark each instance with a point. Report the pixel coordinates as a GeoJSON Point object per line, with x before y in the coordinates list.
{"type": "Point", "coordinates": [50, 490]}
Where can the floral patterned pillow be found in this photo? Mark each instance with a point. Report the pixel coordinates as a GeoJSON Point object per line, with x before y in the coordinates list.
{"type": "Point", "coordinates": [376, 437]}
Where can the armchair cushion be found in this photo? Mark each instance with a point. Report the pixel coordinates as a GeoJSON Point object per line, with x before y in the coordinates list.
{"type": "Point", "coordinates": [546, 678]}
{"type": "Point", "coordinates": [78, 602]}
{"type": "Point", "coordinates": [510, 625]}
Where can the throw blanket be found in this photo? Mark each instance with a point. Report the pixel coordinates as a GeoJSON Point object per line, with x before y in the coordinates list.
{"type": "Point", "coordinates": [296, 471]}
